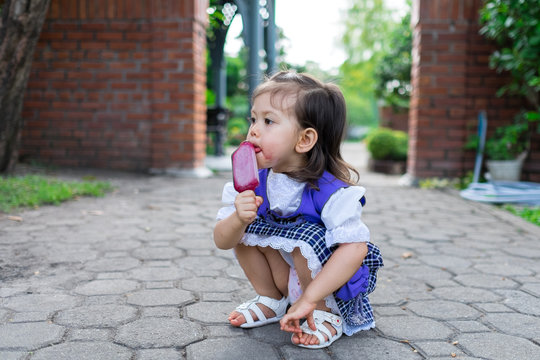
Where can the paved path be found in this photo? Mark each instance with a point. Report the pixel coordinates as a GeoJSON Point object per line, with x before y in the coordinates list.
{"type": "Point", "coordinates": [135, 275]}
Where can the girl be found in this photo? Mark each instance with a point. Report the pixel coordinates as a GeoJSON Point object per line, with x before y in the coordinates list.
{"type": "Point", "coordinates": [298, 236]}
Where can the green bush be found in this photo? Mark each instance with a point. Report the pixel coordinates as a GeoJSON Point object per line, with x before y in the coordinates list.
{"type": "Point", "coordinates": [237, 129]}
{"type": "Point", "coordinates": [387, 144]}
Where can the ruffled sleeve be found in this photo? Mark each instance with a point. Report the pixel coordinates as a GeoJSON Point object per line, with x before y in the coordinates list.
{"type": "Point", "coordinates": [342, 216]}
{"type": "Point", "coordinates": [227, 198]}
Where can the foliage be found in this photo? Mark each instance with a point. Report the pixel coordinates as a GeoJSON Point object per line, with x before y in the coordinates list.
{"type": "Point", "coordinates": [387, 144]}
{"type": "Point", "coordinates": [368, 26]}
{"type": "Point", "coordinates": [531, 214]}
{"type": "Point", "coordinates": [393, 71]}
{"type": "Point", "coordinates": [34, 190]}
{"type": "Point", "coordinates": [515, 26]}
{"type": "Point", "coordinates": [507, 142]}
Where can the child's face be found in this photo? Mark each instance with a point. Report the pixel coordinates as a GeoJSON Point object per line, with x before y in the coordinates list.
{"type": "Point", "coordinates": [275, 132]}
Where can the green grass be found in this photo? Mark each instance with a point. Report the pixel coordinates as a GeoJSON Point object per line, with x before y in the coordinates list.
{"type": "Point", "coordinates": [531, 214]}
{"type": "Point", "coordinates": [34, 190]}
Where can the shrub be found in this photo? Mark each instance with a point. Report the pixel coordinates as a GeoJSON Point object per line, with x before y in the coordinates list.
{"type": "Point", "coordinates": [387, 144]}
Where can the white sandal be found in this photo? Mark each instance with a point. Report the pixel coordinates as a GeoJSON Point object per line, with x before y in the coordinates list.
{"type": "Point", "coordinates": [320, 317]}
{"type": "Point", "coordinates": [279, 307]}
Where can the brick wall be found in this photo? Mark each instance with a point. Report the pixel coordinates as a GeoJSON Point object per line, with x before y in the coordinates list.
{"type": "Point", "coordinates": [119, 84]}
{"type": "Point", "coordinates": [396, 119]}
{"type": "Point", "coordinates": [452, 82]}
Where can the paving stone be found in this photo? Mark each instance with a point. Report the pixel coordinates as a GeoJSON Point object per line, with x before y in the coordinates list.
{"type": "Point", "coordinates": [516, 324]}
{"type": "Point", "coordinates": [84, 351]}
{"type": "Point", "coordinates": [227, 349]}
{"type": "Point", "coordinates": [270, 334]}
{"type": "Point", "coordinates": [159, 354]}
{"type": "Point", "coordinates": [159, 333]}
{"type": "Point", "coordinates": [32, 316]}
{"type": "Point", "coordinates": [441, 309]}
{"type": "Point", "coordinates": [413, 328]}
{"type": "Point", "coordinates": [106, 287]}
{"type": "Point", "coordinates": [96, 316]}
{"type": "Point", "coordinates": [40, 302]}
{"type": "Point", "coordinates": [503, 269]}
{"type": "Point", "coordinates": [90, 335]}
{"type": "Point", "coordinates": [390, 311]}
{"type": "Point", "coordinates": [291, 352]}
{"type": "Point", "coordinates": [161, 311]}
{"type": "Point", "coordinates": [225, 331]}
{"type": "Point", "coordinates": [203, 263]}
{"type": "Point", "coordinates": [157, 253]}
{"type": "Point", "coordinates": [112, 264]}
{"type": "Point", "coordinates": [466, 326]}
{"type": "Point", "coordinates": [213, 284]}
{"type": "Point", "coordinates": [446, 261]}
{"type": "Point", "coordinates": [493, 307]}
{"type": "Point", "coordinates": [13, 355]}
{"type": "Point", "coordinates": [486, 281]}
{"type": "Point", "coordinates": [499, 346]}
{"type": "Point", "coordinates": [521, 301]}
{"type": "Point", "coordinates": [439, 349]}
{"type": "Point", "coordinates": [29, 336]}
{"type": "Point", "coordinates": [210, 312]}
{"type": "Point", "coordinates": [366, 347]}
{"type": "Point", "coordinates": [160, 297]}
{"type": "Point", "coordinates": [466, 295]}
{"type": "Point", "coordinates": [533, 288]}
{"type": "Point", "coordinates": [159, 285]}
{"type": "Point", "coordinates": [158, 274]}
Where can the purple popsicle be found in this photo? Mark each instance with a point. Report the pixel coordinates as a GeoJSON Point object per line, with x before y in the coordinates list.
{"type": "Point", "coordinates": [244, 167]}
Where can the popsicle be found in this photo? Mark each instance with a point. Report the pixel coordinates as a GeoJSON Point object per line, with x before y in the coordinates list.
{"type": "Point", "coordinates": [244, 167]}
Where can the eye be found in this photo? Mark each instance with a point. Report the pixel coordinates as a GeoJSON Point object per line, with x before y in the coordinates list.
{"type": "Point", "coordinates": [268, 121]}
{"type": "Point", "coordinates": [251, 120]}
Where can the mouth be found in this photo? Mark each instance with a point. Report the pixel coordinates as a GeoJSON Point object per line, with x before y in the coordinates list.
{"type": "Point", "coordinates": [257, 149]}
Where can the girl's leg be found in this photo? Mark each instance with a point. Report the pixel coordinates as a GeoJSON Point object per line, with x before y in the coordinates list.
{"type": "Point", "coordinates": [304, 275]}
{"type": "Point", "coordinates": [267, 272]}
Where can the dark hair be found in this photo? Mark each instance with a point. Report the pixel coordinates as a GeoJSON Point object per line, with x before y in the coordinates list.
{"type": "Point", "coordinates": [320, 106]}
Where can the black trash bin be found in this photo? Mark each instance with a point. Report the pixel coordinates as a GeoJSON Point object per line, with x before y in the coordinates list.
{"type": "Point", "coordinates": [216, 123]}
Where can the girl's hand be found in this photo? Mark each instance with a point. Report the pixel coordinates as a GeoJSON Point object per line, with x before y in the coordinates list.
{"type": "Point", "coordinates": [299, 310]}
{"type": "Point", "coordinates": [247, 204]}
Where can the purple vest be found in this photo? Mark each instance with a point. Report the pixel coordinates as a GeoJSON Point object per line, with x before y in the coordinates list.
{"type": "Point", "coordinates": [312, 202]}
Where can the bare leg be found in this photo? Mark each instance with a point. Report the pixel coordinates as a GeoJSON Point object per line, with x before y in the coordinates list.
{"type": "Point", "coordinates": [267, 272]}
{"type": "Point", "coordinates": [304, 275]}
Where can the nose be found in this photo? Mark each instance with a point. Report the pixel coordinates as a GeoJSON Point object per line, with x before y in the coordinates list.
{"type": "Point", "coordinates": [253, 129]}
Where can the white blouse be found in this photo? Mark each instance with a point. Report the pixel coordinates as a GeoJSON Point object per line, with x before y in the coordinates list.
{"type": "Point", "coordinates": [341, 214]}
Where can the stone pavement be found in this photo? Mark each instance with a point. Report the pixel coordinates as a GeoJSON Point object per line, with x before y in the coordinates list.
{"type": "Point", "coordinates": [135, 275]}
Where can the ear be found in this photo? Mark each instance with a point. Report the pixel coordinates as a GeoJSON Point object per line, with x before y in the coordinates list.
{"type": "Point", "coordinates": [307, 140]}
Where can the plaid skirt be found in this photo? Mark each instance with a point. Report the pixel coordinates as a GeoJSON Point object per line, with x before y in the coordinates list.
{"type": "Point", "coordinates": [357, 313]}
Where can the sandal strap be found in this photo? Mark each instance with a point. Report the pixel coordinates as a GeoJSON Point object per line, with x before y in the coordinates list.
{"type": "Point", "coordinates": [277, 306]}
{"type": "Point", "coordinates": [321, 316]}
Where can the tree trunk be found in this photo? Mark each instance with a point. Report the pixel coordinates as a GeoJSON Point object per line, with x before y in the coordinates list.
{"type": "Point", "coordinates": [20, 26]}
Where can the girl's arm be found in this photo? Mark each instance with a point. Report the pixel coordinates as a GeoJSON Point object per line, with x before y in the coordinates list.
{"type": "Point", "coordinates": [341, 266]}
{"type": "Point", "coordinates": [229, 231]}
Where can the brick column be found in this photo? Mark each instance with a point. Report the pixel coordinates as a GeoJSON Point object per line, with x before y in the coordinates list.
{"type": "Point", "coordinates": [451, 82]}
{"type": "Point", "coordinates": [118, 84]}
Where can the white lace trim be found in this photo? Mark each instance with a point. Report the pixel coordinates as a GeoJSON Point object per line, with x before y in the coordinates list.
{"type": "Point", "coordinates": [350, 231]}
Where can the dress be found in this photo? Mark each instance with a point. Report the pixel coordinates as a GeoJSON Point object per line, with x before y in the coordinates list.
{"type": "Point", "coordinates": [339, 222]}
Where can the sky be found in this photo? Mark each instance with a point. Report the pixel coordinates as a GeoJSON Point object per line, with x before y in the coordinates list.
{"type": "Point", "coordinates": [314, 29]}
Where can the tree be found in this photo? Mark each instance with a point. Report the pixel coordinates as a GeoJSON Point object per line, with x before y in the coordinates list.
{"type": "Point", "coordinates": [368, 25]}
{"type": "Point", "coordinates": [515, 27]}
{"type": "Point", "coordinates": [20, 25]}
